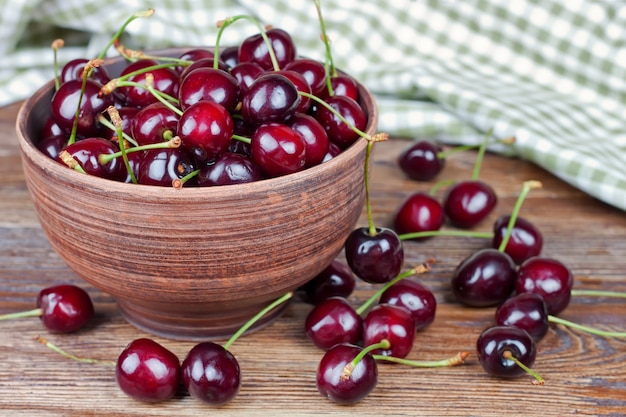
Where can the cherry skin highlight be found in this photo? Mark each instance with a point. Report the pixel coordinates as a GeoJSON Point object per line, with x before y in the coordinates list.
{"type": "Point", "coordinates": [416, 298]}
{"type": "Point", "coordinates": [64, 308]}
{"type": "Point", "coordinates": [549, 278]}
{"type": "Point", "coordinates": [333, 321]}
{"type": "Point", "coordinates": [527, 311]}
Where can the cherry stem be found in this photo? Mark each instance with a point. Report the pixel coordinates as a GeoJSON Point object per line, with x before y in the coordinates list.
{"type": "Point", "coordinates": [36, 312]}
{"type": "Point", "coordinates": [329, 65]}
{"type": "Point", "coordinates": [481, 154]}
{"type": "Point", "coordinates": [455, 360]}
{"type": "Point", "coordinates": [587, 329]}
{"type": "Point", "coordinates": [62, 352]}
{"type": "Point", "coordinates": [172, 143]}
{"type": "Point", "coordinates": [242, 139]}
{"type": "Point", "coordinates": [526, 187]}
{"type": "Point", "coordinates": [443, 154]}
{"type": "Point", "coordinates": [256, 318]}
{"type": "Point", "coordinates": [68, 160]}
{"type": "Point", "coordinates": [179, 182]}
{"type": "Point", "coordinates": [368, 205]}
{"type": "Point", "coordinates": [507, 354]}
{"type": "Point", "coordinates": [598, 293]}
{"type": "Point", "coordinates": [420, 269]}
{"type": "Point", "coordinates": [114, 39]}
{"type": "Point", "coordinates": [270, 49]}
{"type": "Point", "coordinates": [443, 183]}
{"type": "Point", "coordinates": [56, 45]}
{"type": "Point", "coordinates": [107, 123]}
{"type": "Point", "coordinates": [114, 114]}
{"type": "Point", "coordinates": [89, 66]}
{"type": "Point", "coordinates": [347, 370]}
{"type": "Point", "coordinates": [458, 233]}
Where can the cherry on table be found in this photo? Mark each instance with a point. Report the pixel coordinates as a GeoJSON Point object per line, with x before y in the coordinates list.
{"type": "Point", "coordinates": [524, 242]}
{"type": "Point", "coordinates": [547, 277]}
{"type": "Point", "coordinates": [393, 323]}
{"type": "Point", "coordinates": [147, 371]}
{"type": "Point", "coordinates": [333, 321]}
{"type": "Point", "coordinates": [467, 203]}
{"type": "Point", "coordinates": [419, 212]}
{"type": "Point", "coordinates": [527, 311]}
{"type": "Point", "coordinates": [375, 258]}
{"type": "Point", "coordinates": [336, 280]}
{"type": "Point", "coordinates": [211, 373]}
{"type": "Point", "coordinates": [501, 348]}
{"type": "Point", "coordinates": [421, 161]}
{"type": "Point", "coordinates": [414, 296]}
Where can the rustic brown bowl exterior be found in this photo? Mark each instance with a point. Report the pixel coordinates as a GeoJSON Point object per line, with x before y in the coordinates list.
{"type": "Point", "coordinates": [194, 263]}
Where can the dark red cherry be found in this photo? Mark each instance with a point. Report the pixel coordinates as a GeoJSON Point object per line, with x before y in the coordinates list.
{"type": "Point", "coordinates": [338, 131]}
{"type": "Point", "coordinates": [73, 70]}
{"type": "Point", "coordinates": [467, 203]}
{"type": "Point", "coordinates": [203, 63]}
{"type": "Point", "coordinates": [206, 129]}
{"type": "Point", "coordinates": [333, 321]}
{"type": "Point", "coordinates": [211, 373]}
{"type": "Point", "coordinates": [302, 86]}
{"type": "Point", "coordinates": [164, 80]}
{"type": "Point", "coordinates": [342, 85]}
{"type": "Point", "coordinates": [162, 166]}
{"type": "Point", "coordinates": [485, 278]}
{"type": "Point", "coordinates": [495, 341]}
{"type": "Point", "coordinates": [229, 168]}
{"type": "Point", "coordinates": [313, 72]}
{"type": "Point", "coordinates": [209, 84]}
{"type": "Point", "coordinates": [51, 146]}
{"type": "Point", "coordinates": [278, 149]}
{"type": "Point", "coordinates": [245, 73]}
{"type": "Point", "coordinates": [414, 296]}
{"type": "Point", "coordinates": [333, 151]}
{"type": "Point", "coordinates": [65, 103]}
{"type": "Point", "coordinates": [393, 323]}
{"type": "Point", "coordinates": [52, 128]}
{"type": "Point", "coordinates": [332, 382]}
{"type": "Point", "coordinates": [135, 160]}
{"type": "Point", "coordinates": [254, 49]}
{"type": "Point", "coordinates": [420, 212]}
{"type": "Point", "coordinates": [314, 135]}
{"type": "Point", "coordinates": [127, 114]}
{"type": "Point", "coordinates": [336, 280]}
{"type": "Point", "coordinates": [375, 259]}
{"type": "Point", "coordinates": [421, 161]}
{"type": "Point", "coordinates": [64, 308]}
{"type": "Point", "coordinates": [194, 55]}
{"type": "Point", "coordinates": [272, 97]}
{"type": "Point", "coordinates": [547, 277]}
{"type": "Point", "coordinates": [147, 371]}
{"type": "Point", "coordinates": [527, 311]}
{"type": "Point", "coordinates": [87, 153]}
{"type": "Point", "coordinates": [154, 123]}
{"type": "Point", "coordinates": [524, 242]}
{"type": "Point", "coordinates": [230, 55]}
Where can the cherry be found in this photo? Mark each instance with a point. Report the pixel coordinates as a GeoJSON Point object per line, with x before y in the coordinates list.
{"type": "Point", "coordinates": [255, 49]}
{"type": "Point", "coordinates": [467, 203]}
{"type": "Point", "coordinates": [245, 73]}
{"type": "Point", "coordinates": [147, 371]}
{"type": "Point", "coordinates": [506, 351]}
{"type": "Point", "coordinates": [127, 115]}
{"type": "Point", "coordinates": [62, 308]}
{"type": "Point", "coordinates": [194, 55]}
{"type": "Point", "coordinates": [420, 212]}
{"type": "Point", "coordinates": [414, 296]}
{"type": "Point", "coordinates": [527, 311]}
{"type": "Point", "coordinates": [336, 280]}
{"type": "Point", "coordinates": [210, 84]}
{"type": "Point", "coordinates": [154, 123]}
{"type": "Point", "coordinates": [375, 258]}
{"type": "Point", "coordinates": [211, 373]}
{"type": "Point", "coordinates": [229, 168]}
{"type": "Point", "coordinates": [206, 129]}
{"type": "Point", "coordinates": [203, 63]}
{"type": "Point", "coordinates": [421, 161]}
{"type": "Point", "coordinates": [165, 80]}
{"type": "Point", "coordinates": [272, 97]}
{"type": "Point", "coordinates": [333, 321]}
{"type": "Point", "coordinates": [51, 146]}
{"type": "Point", "coordinates": [313, 72]}
{"type": "Point", "coordinates": [278, 149]}
{"type": "Point", "coordinates": [393, 323]}
{"type": "Point", "coordinates": [87, 153]}
{"type": "Point", "coordinates": [333, 151]}
{"type": "Point", "coordinates": [51, 128]}
{"type": "Point", "coordinates": [485, 278]}
{"type": "Point", "coordinates": [230, 56]}
{"type": "Point", "coordinates": [162, 166]}
{"type": "Point", "coordinates": [338, 130]}
{"type": "Point", "coordinates": [314, 135]}
{"type": "Point", "coordinates": [525, 239]}
{"type": "Point", "coordinates": [342, 387]}
{"type": "Point", "coordinates": [302, 86]}
{"type": "Point", "coordinates": [547, 277]}
{"type": "Point", "coordinates": [342, 85]}
{"type": "Point", "coordinates": [73, 70]}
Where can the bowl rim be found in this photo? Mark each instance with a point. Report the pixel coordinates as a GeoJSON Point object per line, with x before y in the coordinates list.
{"type": "Point", "coordinates": [269, 185]}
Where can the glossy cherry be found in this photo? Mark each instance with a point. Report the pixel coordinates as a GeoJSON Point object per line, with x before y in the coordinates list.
{"type": "Point", "coordinates": [65, 308]}
{"type": "Point", "coordinates": [495, 343]}
{"type": "Point", "coordinates": [336, 280]}
{"type": "Point", "coordinates": [485, 278]}
{"type": "Point", "coordinates": [332, 382]}
{"type": "Point", "coordinates": [278, 149]}
{"type": "Point", "coordinates": [162, 166]}
{"type": "Point", "coordinates": [229, 168]}
{"type": "Point", "coordinates": [342, 85]}
{"type": "Point", "coordinates": [272, 97]}
{"type": "Point", "coordinates": [333, 321]}
{"type": "Point", "coordinates": [302, 86]}
{"type": "Point", "coordinates": [314, 135]}
{"type": "Point", "coordinates": [211, 373]}
{"type": "Point", "coordinates": [51, 146]}
{"type": "Point", "coordinates": [154, 123]}
{"type": "Point", "coordinates": [338, 131]}
{"type": "Point", "coordinates": [255, 49]}
{"type": "Point", "coordinates": [245, 73]}
{"type": "Point", "coordinates": [208, 83]}
{"type": "Point", "coordinates": [419, 212]}
{"type": "Point", "coordinates": [87, 153]}
{"type": "Point", "coordinates": [206, 129]}
{"type": "Point", "coordinates": [313, 72]}
{"type": "Point", "coordinates": [524, 242]}
{"type": "Point", "coordinates": [467, 203]}
{"type": "Point", "coordinates": [164, 80]}
{"type": "Point", "coordinates": [393, 323]}
{"type": "Point", "coordinates": [547, 277]}
{"type": "Point", "coordinates": [147, 371]}
{"type": "Point", "coordinates": [374, 258]}
{"type": "Point", "coordinates": [414, 296]}
{"type": "Point", "coordinates": [527, 311]}
{"type": "Point", "coordinates": [421, 160]}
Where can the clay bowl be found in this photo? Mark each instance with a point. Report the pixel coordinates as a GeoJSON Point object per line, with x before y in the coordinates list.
{"type": "Point", "coordinates": [193, 263]}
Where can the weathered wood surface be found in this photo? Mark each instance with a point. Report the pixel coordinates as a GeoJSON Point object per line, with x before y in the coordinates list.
{"type": "Point", "coordinates": [585, 375]}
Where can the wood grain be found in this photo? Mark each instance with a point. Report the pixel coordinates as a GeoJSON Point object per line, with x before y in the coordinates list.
{"type": "Point", "coordinates": [585, 375]}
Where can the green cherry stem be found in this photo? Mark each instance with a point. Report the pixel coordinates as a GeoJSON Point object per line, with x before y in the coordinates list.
{"type": "Point", "coordinates": [62, 352]}
{"type": "Point", "coordinates": [329, 65]}
{"type": "Point", "coordinates": [115, 38]}
{"type": "Point", "coordinates": [598, 293]}
{"type": "Point", "coordinates": [587, 329]}
{"type": "Point", "coordinates": [179, 182]}
{"type": "Point", "coordinates": [347, 370]}
{"type": "Point", "coordinates": [256, 318]}
{"type": "Point", "coordinates": [56, 45]}
{"type": "Point", "coordinates": [507, 354]}
{"type": "Point", "coordinates": [172, 143]}
{"type": "Point", "coordinates": [89, 66]}
{"type": "Point", "coordinates": [481, 155]}
{"type": "Point", "coordinates": [368, 205]}
{"type": "Point", "coordinates": [117, 122]}
{"type": "Point", "coordinates": [420, 269]}
{"type": "Point", "coordinates": [107, 123]}
{"type": "Point", "coordinates": [222, 24]}
{"type": "Point", "coordinates": [458, 233]}
{"type": "Point", "coordinates": [36, 312]}
{"type": "Point", "coordinates": [455, 360]}
{"type": "Point", "coordinates": [526, 187]}
{"type": "Point", "coordinates": [444, 154]}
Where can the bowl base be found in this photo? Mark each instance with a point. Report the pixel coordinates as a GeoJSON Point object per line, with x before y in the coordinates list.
{"type": "Point", "coordinates": [192, 327]}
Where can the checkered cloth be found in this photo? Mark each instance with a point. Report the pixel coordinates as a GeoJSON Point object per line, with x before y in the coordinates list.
{"type": "Point", "coordinates": [552, 73]}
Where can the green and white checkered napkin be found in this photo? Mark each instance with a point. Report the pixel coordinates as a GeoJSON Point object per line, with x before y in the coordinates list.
{"type": "Point", "coordinates": [552, 73]}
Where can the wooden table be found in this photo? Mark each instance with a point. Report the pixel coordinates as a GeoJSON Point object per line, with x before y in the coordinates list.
{"type": "Point", "coordinates": [585, 375]}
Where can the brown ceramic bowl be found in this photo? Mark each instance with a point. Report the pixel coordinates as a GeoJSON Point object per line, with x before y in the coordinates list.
{"type": "Point", "coordinates": [194, 263]}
